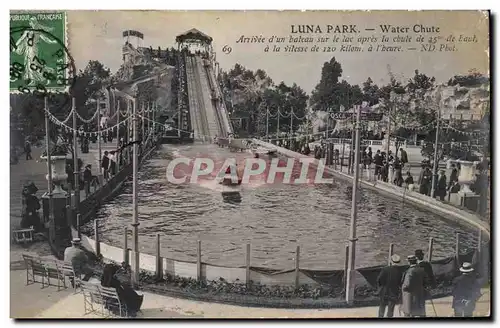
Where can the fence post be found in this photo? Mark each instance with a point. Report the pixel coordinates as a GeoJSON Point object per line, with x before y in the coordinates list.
{"type": "Point", "coordinates": [78, 218]}
{"type": "Point", "coordinates": [346, 263]}
{"type": "Point", "coordinates": [297, 264]}
{"type": "Point", "coordinates": [96, 235]}
{"type": "Point", "coordinates": [159, 260]}
{"type": "Point", "coordinates": [248, 266]}
{"type": "Point", "coordinates": [457, 248]}
{"type": "Point", "coordinates": [431, 247]}
{"type": "Point", "coordinates": [343, 153]}
{"type": "Point", "coordinates": [198, 261]}
{"type": "Point", "coordinates": [125, 245]}
{"type": "Point", "coordinates": [391, 251]}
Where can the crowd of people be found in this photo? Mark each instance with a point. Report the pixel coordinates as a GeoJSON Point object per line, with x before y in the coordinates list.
{"type": "Point", "coordinates": [411, 288]}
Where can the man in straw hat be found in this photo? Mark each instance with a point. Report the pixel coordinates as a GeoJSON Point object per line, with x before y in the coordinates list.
{"type": "Point", "coordinates": [413, 297]}
{"type": "Point", "coordinates": [76, 255]}
{"type": "Point", "coordinates": [389, 284]}
{"type": "Point", "coordinates": [466, 291]}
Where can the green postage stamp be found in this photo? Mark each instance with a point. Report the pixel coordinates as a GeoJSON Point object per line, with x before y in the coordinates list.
{"type": "Point", "coordinates": [39, 60]}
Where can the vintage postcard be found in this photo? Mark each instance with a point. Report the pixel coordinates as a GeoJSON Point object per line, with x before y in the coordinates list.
{"type": "Point", "coordinates": [250, 164]}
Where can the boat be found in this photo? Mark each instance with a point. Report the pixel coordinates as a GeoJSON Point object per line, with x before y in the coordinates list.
{"type": "Point", "coordinates": [259, 151]}
{"type": "Point", "coordinates": [227, 179]}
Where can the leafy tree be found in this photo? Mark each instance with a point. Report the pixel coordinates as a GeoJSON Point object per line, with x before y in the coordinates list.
{"type": "Point", "coordinates": [473, 78]}
{"type": "Point", "coordinates": [326, 92]}
{"type": "Point", "coordinates": [371, 92]}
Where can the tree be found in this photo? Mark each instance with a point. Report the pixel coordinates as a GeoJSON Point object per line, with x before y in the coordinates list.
{"type": "Point", "coordinates": [371, 92]}
{"type": "Point", "coordinates": [326, 92]}
{"type": "Point", "coordinates": [286, 99]}
{"type": "Point", "coordinates": [472, 78]}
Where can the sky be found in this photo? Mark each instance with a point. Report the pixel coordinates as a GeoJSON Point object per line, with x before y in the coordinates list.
{"type": "Point", "coordinates": [97, 35]}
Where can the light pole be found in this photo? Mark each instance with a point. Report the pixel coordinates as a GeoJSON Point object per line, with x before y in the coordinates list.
{"type": "Point", "coordinates": [99, 140]}
{"type": "Point", "coordinates": [278, 128]}
{"type": "Point", "coordinates": [135, 218]}
{"type": "Point", "coordinates": [435, 164]}
{"type": "Point", "coordinates": [118, 154]}
{"type": "Point", "coordinates": [49, 168]}
{"type": "Point", "coordinates": [76, 170]}
{"type": "Point", "coordinates": [267, 124]}
{"type": "Point", "coordinates": [291, 128]}
{"type": "Point", "coordinates": [354, 215]}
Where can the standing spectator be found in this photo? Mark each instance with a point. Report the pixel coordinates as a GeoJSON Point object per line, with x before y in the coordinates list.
{"type": "Point", "coordinates": [389, 283]}
{"type": "Point", "coordinates": [105, 165]}
{"type": "Point", "coordinates": [398, 179]}
{"type": "Point", "coordinates": [377, 159]}
{"type": "Point", "coordinates": [409, 181]}
{"type": "Point", "coordinates": [413, 296]}
{"type": "Point", "coordinates": [112, 163]}
{"type": "Point", "coordinates": [87, 179]}
{"type": "Point", "coordinates": [466, 292]}
{"type": "Point", "coordinates": [404, 157]}
{"type": "Point", "coordinates": [370, 153]}
{"type": "Point", "coordinates": [453, 175]}
{"type": "Point", "coordinates": [27, 150]}
{"type": "Point", "coordinates": [431, 280]}
{"type": "Point", "coordinates": [367, 161]}
{"type": "Point", "coordinates": [425, 180]}
{"type": "Point", "coordinates": [440, 189]}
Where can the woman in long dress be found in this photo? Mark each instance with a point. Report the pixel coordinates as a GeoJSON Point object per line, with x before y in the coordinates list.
{"type": "Point", "coordinates": [127, 295]}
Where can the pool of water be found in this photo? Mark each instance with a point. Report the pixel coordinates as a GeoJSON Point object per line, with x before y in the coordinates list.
{"type": "Point", "coordinates": [273, 218]}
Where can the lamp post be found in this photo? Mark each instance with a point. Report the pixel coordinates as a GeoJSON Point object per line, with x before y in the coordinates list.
{"type": "Point", "coordinates": [76, 170]}
{"type": "Point", "coordinates": [99, 151]}
{"type": "Point", "coordinates": [267, 124]}
{"type": "Point", "coordinates": [435, 164]}
{"type": "Point", "coordinates": [354, 215]}
{"type": "Point", "coordinates": [135, 218]}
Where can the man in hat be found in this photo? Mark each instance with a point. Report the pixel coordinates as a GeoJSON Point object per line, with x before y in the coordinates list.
{"type": "Point", "coordinates": [413, 297]}
{"type": "Point", "coordinates": [389, 284]}
{"type": "Point", "coordinates": [466, 291]}
{"type": "Point", "coordinates": [431, 280]}
{"type": "Point", "coordinates": [87, 178]}
{"type": "Point", "coordinates": [78, 259]}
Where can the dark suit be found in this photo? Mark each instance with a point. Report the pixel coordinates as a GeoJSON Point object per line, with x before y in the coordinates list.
{"type": "Point", "coordinates": [389, 283]}
{"type": "Point", "coordinates": [466, 292]}
{"type": "Point", "coordinates": [413, 296]}
{"type": "Point", "coordinates": [430, 279]}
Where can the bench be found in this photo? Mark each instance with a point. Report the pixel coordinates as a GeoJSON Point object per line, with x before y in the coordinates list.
{"type": "Point", "coordinates": [23, 236]}
{"type": "Point", "coordinates": [49, 271]}
{"type": "Point", "coordinates": [102, 300]}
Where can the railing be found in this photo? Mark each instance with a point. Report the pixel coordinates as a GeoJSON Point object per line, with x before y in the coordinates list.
{"type": "Point", "coordinates": [88, 207]}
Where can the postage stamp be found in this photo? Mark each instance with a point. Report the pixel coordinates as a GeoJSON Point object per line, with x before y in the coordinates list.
{"type": "Point", "coordinates": [39, 59]}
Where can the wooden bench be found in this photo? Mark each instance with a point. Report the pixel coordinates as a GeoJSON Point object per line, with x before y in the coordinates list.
{"type": "Point", "coordinates": [102, 300]}
{"type": "Point", "coordinates": [23, 236]}
{"type": "Point", "coordinates": [50, 272]}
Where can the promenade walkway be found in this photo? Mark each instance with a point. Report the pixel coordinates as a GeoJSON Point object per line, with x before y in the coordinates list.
{"type": "Point", "coordinates": [35, 170]}
{"type": "Point", "coordinates": [33, 302]}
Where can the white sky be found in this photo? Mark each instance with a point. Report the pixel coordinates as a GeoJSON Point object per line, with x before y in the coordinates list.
{"type": "Point", "coordinates": [98, 35]}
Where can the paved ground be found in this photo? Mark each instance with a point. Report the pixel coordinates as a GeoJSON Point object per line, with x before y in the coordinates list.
{"type": "Point", "coordinates": [34, 302]}
{"type": "Point", "coordinates": [35, 170]}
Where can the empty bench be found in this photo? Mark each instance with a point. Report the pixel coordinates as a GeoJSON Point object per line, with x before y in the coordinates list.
{"type": "Point", "coordinates": [49, 272]}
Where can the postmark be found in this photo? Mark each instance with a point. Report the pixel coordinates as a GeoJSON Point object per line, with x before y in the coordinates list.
{"type": "Point", "coordinates": [40, 62]}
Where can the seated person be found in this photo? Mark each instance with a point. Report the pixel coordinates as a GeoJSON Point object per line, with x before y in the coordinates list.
{"type": "Point", "coordinates": [77, 256]}
{"type": "Point", "coordinates": [127, 295]}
